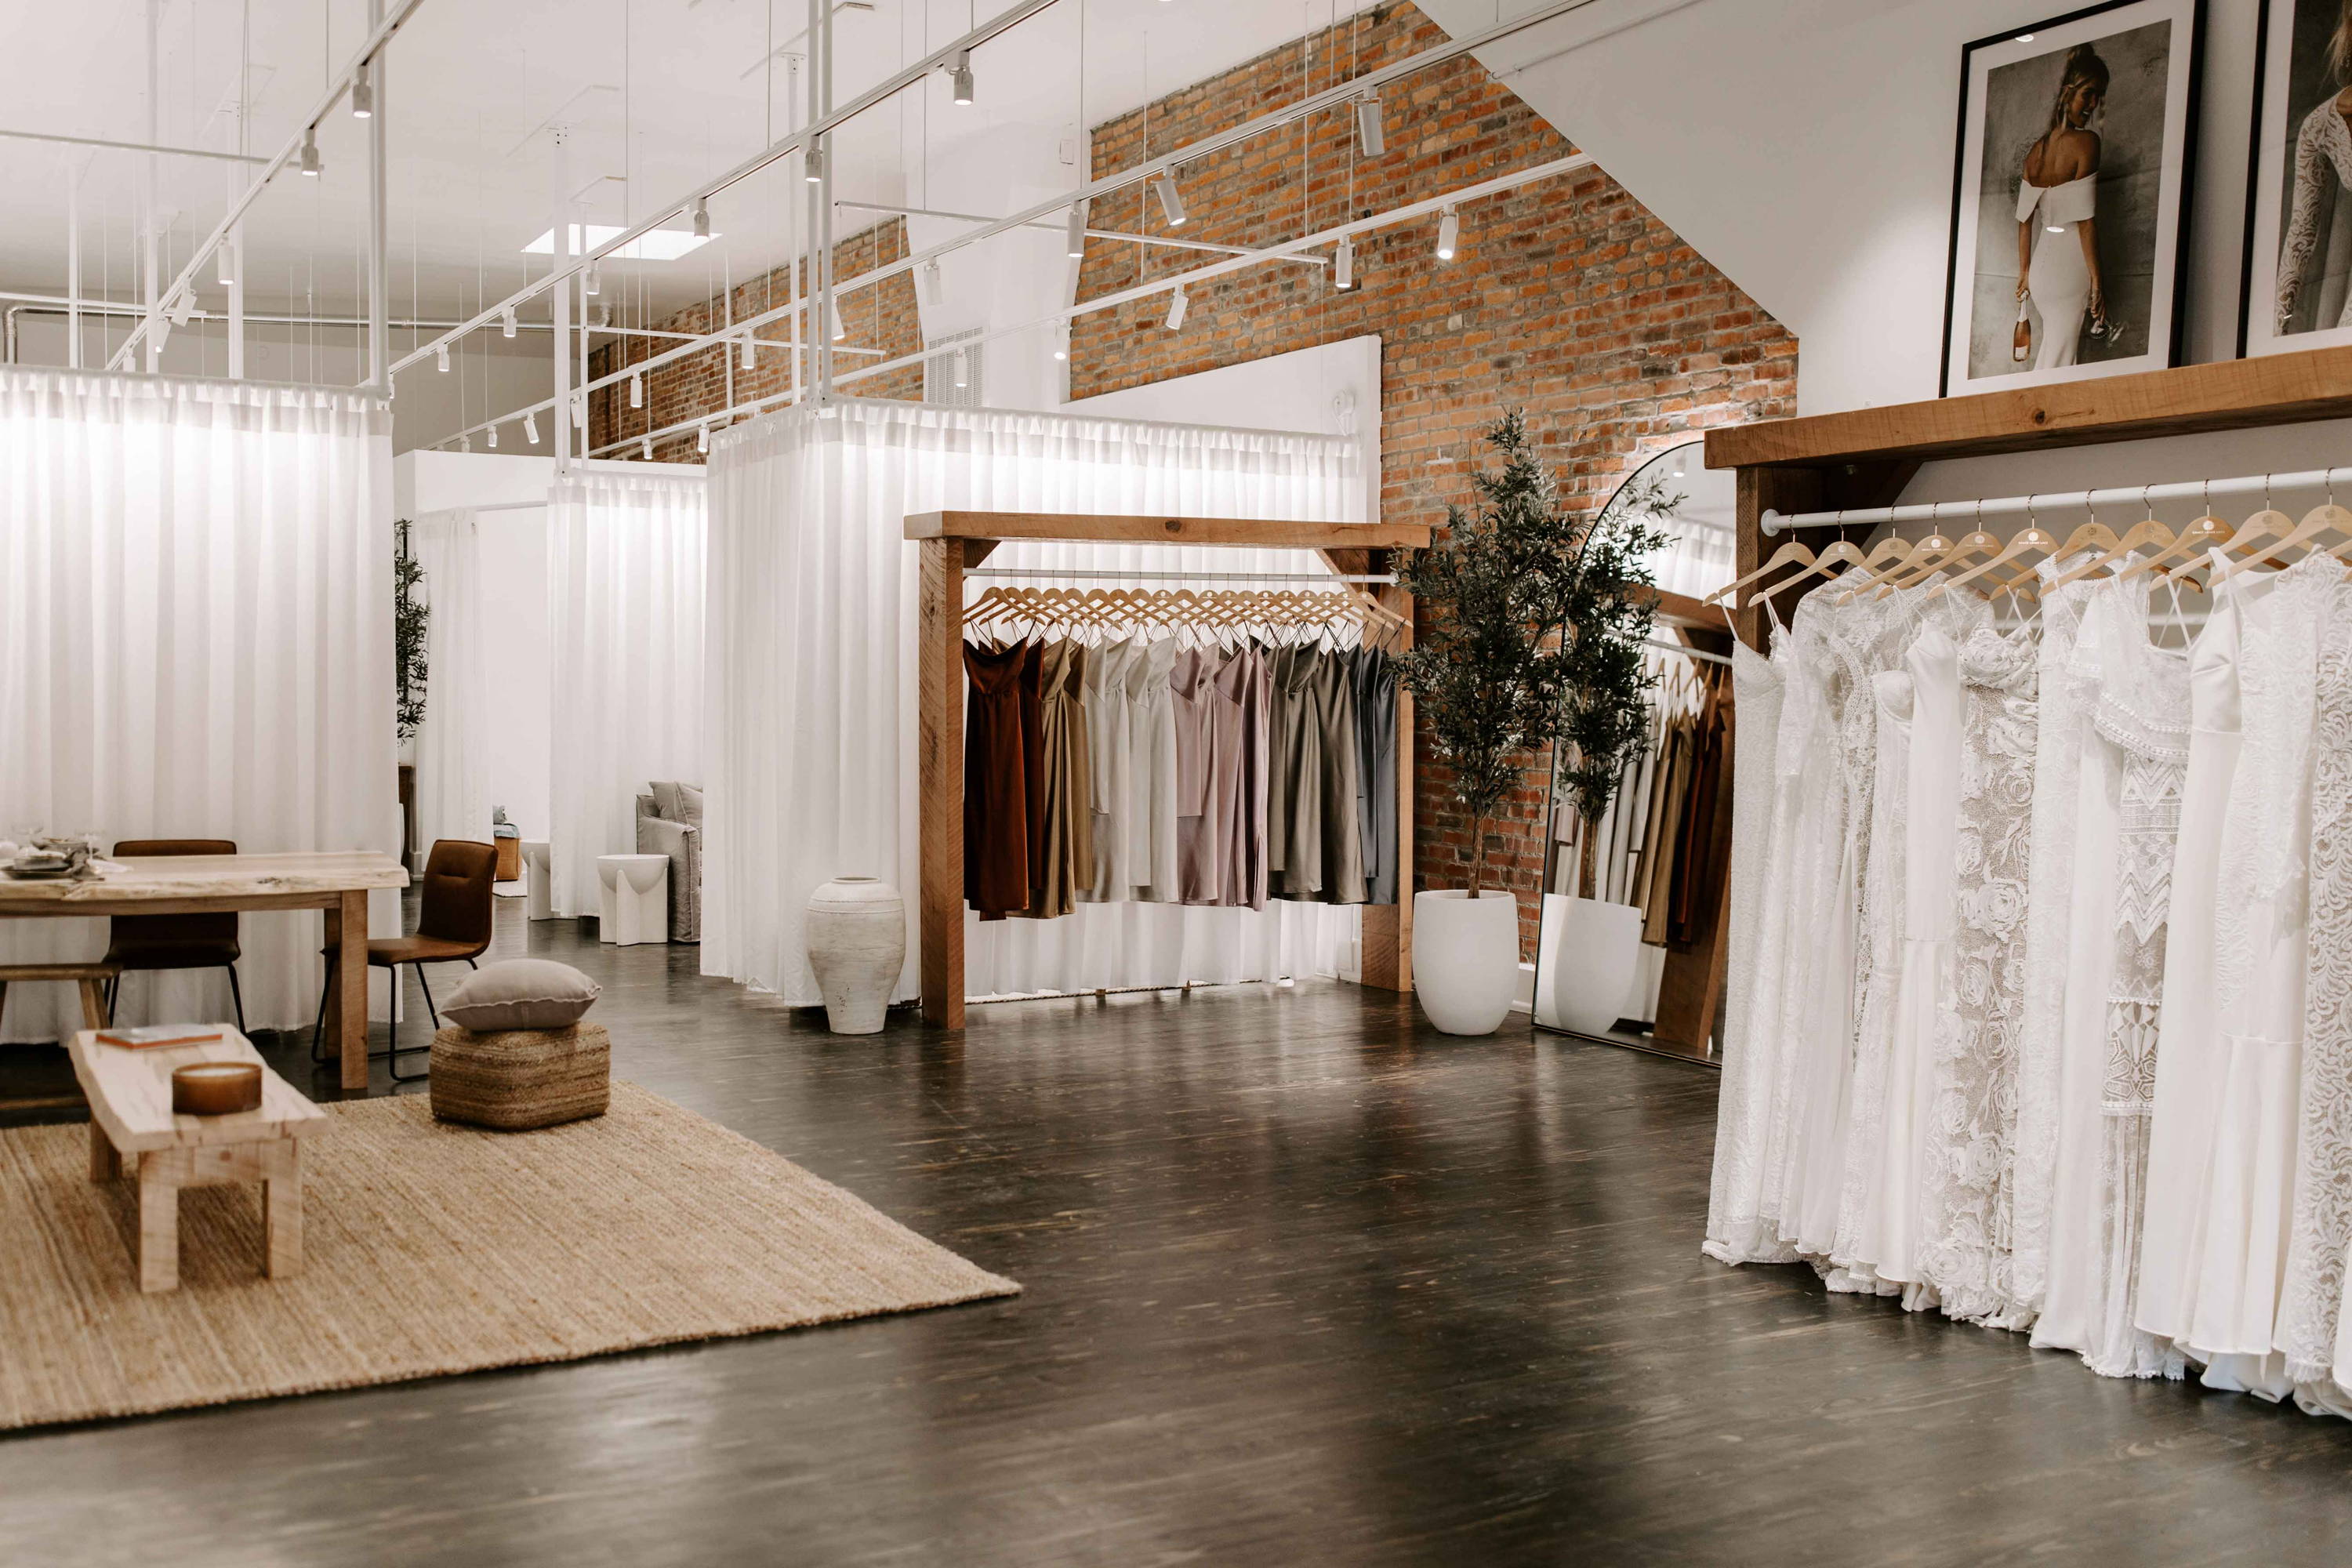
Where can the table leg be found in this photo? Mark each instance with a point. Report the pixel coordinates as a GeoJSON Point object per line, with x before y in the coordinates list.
{"type": "Point", "coordinates": [159, 1220]}
{"type": "Point", "coordinates": [93, 1004]}
{"type": "Point", "coordinates": [351, 990]}
{"type": "Point", "coordinates": [105, 1164]}
{"type": "Point", "coordinates": [281, 1207]}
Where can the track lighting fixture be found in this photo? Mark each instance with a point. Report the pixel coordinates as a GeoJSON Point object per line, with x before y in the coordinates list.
{"type": "Point", "coordinates": [1171, 200]}
{"type": "Point", "coordinates": [224, 263]}
{"type": "Point", "coordinates": [1177, 306]}
{"type": "Point", "coordinates": [934, 287]}
{"type": "Point", "coordinates": [702, 438]}
{"type": "Point", "coordinates": [310, 151]}
{"type": "Point", "coordinates": [580, 411]}
{"type": "Point", "coordinates": [1343, 263]}
{"type": "Point", "coordinates": [1077, 244]}
{"type": "Point", "coordinates": [645, 447]}
{"type": "Point", "coordinates": [364, 91]}
{"type": "Point", "coordinates": [1062, 340]}
{"type": "Point", "coordinates": [531, 427]}
{"type": "Point", "coordinates": [750, 353]}
{"type": "Point", "coordinates": [702, 218]}
{"type": "Point", "coordinates": [604, 315]}
{"type": "Point", "coordinates": [1449, 234]}
{"type": "Point", "coordinates": [812, 166]}
{"type": "Point", "coordinates": [441, 357]}
{"type": "Point", "coordinates": [182, 308]}
{"type": "Point", "coordinates": [589, 282]}
{"type": "Point", "coordinates": [465, 443]}
{"type": "Point", "coordinates": [833, 314]}
{"type": "Point", "coordinates": [636, 390]}
{"type": "Point", "coordinates": [1372, 139]}
{"type": "Point", "coordinates": [962, 372]}
{"type": "Point", "coordinates": [494, 437]}
{"type": "Point", "coordinates": [507, 320]}
{"type": "Point", "coordinates": [960, 75]}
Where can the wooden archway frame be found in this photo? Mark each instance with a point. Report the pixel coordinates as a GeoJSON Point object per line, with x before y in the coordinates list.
{"type": "Point", "coordinates": [952, 543]}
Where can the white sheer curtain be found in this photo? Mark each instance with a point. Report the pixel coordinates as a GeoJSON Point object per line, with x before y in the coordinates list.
{"type": "Point", "coordinates": [624, 558]}
{"type": "Point", "coordinates": [453, 743]}
{"type": "Point", "coordinates": [196, 642]}
{"type": "Point", "coordinates": [812, 667]}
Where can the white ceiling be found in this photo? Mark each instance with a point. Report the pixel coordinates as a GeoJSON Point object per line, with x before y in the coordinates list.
{"type": "Point", "coordinates": [659, 95]}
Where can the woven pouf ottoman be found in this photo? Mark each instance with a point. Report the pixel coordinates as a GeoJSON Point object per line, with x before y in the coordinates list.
{"type": "Point", "coordinates": [519, 1078]}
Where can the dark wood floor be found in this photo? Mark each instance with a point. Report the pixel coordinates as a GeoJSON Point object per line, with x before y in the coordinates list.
{"type": "Point", "coordinates": [1306, 1283]}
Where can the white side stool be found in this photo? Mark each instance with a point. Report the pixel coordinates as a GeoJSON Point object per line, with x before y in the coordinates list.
{"type": "Point", "coordinates": [535, 866]}
{"type": "Point", "coordinates": [632, 898]}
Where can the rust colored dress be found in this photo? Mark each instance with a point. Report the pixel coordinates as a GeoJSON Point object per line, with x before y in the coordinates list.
{"type": "Point", "coordinates": [995, 799]}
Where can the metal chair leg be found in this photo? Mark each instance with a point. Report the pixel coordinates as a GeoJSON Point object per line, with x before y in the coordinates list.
{"type": "Point", "coordinates": [236, 994]}
{"type": "Point", "coordinates": [392, 1057]}
{"type": "Point", "coordinates": [319, 1029]}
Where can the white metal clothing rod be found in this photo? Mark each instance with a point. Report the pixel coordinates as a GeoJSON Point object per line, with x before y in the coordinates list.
{"type": "Point", "coordinates": [1113, 574]}
{"type": "Point", "coordinates": [1968, 511]}
{"type": "Point", "coordinates": [1678, 648]}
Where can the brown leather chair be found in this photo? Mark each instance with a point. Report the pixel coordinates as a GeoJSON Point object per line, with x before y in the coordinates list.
{"type": "Point", "coordinates": [453, 925]}
{"type": "Point", "coordinates": [173, 941]}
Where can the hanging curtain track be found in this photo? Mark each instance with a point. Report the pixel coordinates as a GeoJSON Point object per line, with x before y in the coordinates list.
{"type": "Point", "coordinates": [1113, 574]}
{"type": "Point", "coordinates": [1773, 522]}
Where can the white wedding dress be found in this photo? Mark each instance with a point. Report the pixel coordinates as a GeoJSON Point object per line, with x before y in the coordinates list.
{"type": "Point", "coordinates": [1738, 1228]}
{"type": "Point", "coordinates": [1967, 1190]}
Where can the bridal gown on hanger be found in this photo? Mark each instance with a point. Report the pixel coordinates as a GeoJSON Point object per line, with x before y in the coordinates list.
{"type": "Point", "coordinates": [1738, 1230]}
{"type": "Point", "coordinates": [2259, 961]}
{"type": "Point", "coordinates": [2060, 725]}
{"type": "Point", "coordinates": [2313, 1326]}
{"type": "Point", "coordinates": [1965, 1193]}
{"type": "Point", "coordinates": [1880, 925]}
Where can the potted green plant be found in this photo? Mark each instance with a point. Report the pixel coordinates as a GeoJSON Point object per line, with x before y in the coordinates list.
{"type": "Point", "coordinates": [1535, 618]}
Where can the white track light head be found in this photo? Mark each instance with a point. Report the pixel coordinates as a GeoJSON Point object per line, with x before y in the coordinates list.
{"type": "Point", "coordinates": [494, 437]}
{"type": "Point", "coordinates": [750, 353]}
{"type": "Point", "coordinates": [1372, 139]}
{"type": "Point", "coordinates": [812, 166]}
{"type": "Point", "coordinates": [531, 427]}
{"type": "Point", "coordinates": [832, 315]}
{"type": "Point", "coordinates": [1177, 306]}
{"type": "Point", "coordinates": [934, 285]}
{"type": "Point", "coordinates": [645, 447]}
{"type": "Point", "coordinates": [959, 76]}
{"type": "Point", "coordinates": [1062, 341]}
{"type": "Point", "coordinates": [1343, 263]}
{"type": "Point", "coordinates": [311, 165]}
{"type": "Point", "coordinates": [364, 91]}
{"type": "Point", "coordinates": [580, 411]}
{"type": "Point", "coordinates": [702, 438]}
{"type": "Point", "coordinates": [182, 309]}
{"type": "Point", "coordinates": [465, 443]}
{"type": "Point", "coordinates": [702, 218]}
{"type": "Point", "coordinates": [224, 263]}
{"type": "Point", "coordinates": [1449, 234]}
{"type": "Point", "coordinates": [962, 372]}
{"type": "Point", "coordinates": [1077, 243]}
{"type": "Point", "coordinates": [441, 357]}
{"type": "Point", "coordinates": [507, 322]}
{"type": "Point", "coordinates": [1171, 200]}
{"type": "Point", "coordinates": [591, 282]}
{"type": "Point", "coordinates": [636, 390]}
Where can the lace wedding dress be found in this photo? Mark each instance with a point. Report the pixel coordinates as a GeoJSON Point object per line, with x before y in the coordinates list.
{"type": "Point", "coordinates": [1968, 1145]}
{"type": "Point", "coordinates": [1881, 922]}
{"type": "Point", "coordinates": [1739, 1229]}
{"type": "Point", "coordinates": [2061, 724]}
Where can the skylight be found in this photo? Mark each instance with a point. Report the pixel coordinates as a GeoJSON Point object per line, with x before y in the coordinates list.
{"type": "Point", "coordinates": [660, 244]}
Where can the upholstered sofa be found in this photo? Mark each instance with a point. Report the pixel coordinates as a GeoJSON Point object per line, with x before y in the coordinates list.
{"type": "Point", "coordinates": [669, 822]}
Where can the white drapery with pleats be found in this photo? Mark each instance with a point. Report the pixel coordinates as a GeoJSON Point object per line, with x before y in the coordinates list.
{"type": "Point", "coordinates": [196, 642]}
{"type": "Point", "coordinates": [453, 743]}
{"type": "Point", "coordinates": [625, 557]}
{"type": "Point", "coordinates": [813, 713]}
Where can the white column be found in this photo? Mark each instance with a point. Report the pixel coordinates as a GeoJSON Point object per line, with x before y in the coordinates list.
{"type": "Point", "coordinates": [150, 284]}
{"type": "Point", "coordinates": [379, 334]}
{"type": "Point", "coordinates": [73, 263]}
{"type": "Point", "coordinates": [560, 297]}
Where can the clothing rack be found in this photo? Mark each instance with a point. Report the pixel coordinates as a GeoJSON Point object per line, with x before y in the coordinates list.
{"type": "Point", "coordinates": [1772, 522]}
{"type": "Point", "coordinates": [953, 545]}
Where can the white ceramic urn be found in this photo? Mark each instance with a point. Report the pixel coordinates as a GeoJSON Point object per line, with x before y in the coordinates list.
{"type": "Point", "coordinates": [1466, 958]}
{"type": "Point", "coordinates": [857, 947]}
{"type": "Point", "coordinates": [1584, 975]}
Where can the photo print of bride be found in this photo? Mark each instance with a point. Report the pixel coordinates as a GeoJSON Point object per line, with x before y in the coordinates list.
{"type": "Point", "coordinates": [2070, 196]}
{"type": "Point", "coordinates": [2299, 218]}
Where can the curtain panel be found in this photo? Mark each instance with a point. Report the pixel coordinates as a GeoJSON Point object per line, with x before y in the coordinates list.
{"type": "Point", "coordinates": [812, 666]}
{"type": "Point", "coordinates": [196, 643]}
{"type": "Point", "coordinates": [625, 586]}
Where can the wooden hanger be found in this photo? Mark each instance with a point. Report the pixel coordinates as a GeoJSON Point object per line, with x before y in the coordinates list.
{"type": "Point", "coordinates": [2139, 535]}
{"type": "Point", "coordinates": [1922, 558]}
{"type": "Point", "coordinates": [2206, 532]}
{"type": "Point", "coordinates": [1792, 554]}
{"type": "Point", "coordinates": [1970, 546]}
{"type": "Point", "coordinates": [2029, 540]}
{"type": "Point", "coordinates": [2324, 517]}
{"type": "Point", "coordinates": [1836, 555]}
{"type": "Point", "coordinates": [2269, 523]}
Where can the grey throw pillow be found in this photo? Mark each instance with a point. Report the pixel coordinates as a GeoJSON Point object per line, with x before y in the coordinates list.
{"type": "Point", "coordinates": [667, 805]}
{"type": "Point", "coordinates": [689, 804]}
{"type": "Point", "coordinates": [521, 993]}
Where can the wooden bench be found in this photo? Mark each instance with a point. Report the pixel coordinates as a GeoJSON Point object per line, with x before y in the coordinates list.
{"type": "Point", "coordinates": [132, 1119]}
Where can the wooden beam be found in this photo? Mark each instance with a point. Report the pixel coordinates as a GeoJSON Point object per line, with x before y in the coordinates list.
{"type": "Point", "coordinates": [939, 809]}
{"type": "Point", "coordinates": [1265, 533]}
{"type": "Point", "coordinates": [1385, 960]}
{"type": "Point", "coordinates": [2233, 394]}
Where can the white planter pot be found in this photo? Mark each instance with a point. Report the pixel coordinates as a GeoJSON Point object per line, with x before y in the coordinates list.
{"type": "Point", "coordinates": [857, 946]}
{"type": "Point", "coordinates": [1466, 958]}
{"type": "Point", "coordinates": [1585, 972]}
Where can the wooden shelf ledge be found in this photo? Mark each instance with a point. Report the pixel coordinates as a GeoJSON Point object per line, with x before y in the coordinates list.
{"type": "Point", "coordinates": [2233, 394]}
{"type": "Point", "coordinates": [1265, 533]}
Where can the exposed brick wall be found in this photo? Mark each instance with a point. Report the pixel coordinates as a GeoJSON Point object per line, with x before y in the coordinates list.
{"type": "Point", "coordinates": [882, 317]}
{"type": "Point", "coordinates": [1566, 298]}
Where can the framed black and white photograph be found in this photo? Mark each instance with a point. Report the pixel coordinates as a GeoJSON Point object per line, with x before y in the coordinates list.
{"type": "Point", "coordinates": [2070, 197]}
{"type": "Point", "coordinates": [2298, 216]}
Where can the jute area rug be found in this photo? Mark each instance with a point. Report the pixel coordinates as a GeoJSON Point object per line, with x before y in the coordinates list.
{"type": "Point", "coordinates": [432, 1248]}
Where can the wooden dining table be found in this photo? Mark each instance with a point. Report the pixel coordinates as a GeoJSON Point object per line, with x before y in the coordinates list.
{"type": "Point", "coordinates": [337, 882]}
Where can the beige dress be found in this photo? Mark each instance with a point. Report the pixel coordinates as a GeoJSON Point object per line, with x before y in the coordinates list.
{"type": "Point", "coordinates": [1069, 782]}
